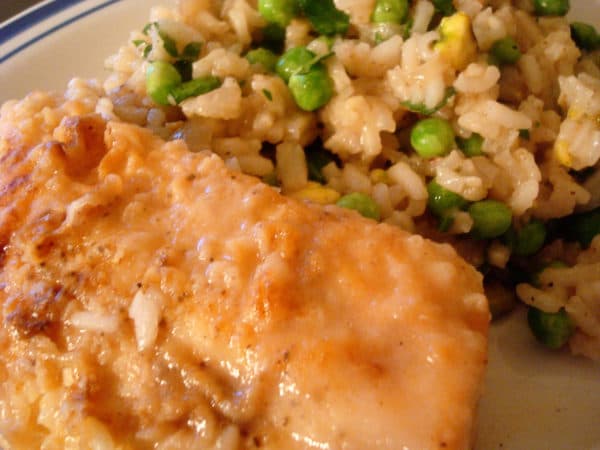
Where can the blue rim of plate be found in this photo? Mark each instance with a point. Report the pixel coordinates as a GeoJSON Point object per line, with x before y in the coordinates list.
{"type": "Point", "coordinates": [12, 28]}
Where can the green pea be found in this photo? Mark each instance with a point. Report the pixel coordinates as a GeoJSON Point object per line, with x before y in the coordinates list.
{"type": "Point", "coordinates": [195, 87]}
{"type": "Point", "coordinates": [528, 240]}
{"type": "Point", "coordinates": [551, 329]}
{"type": "Point", "coordinates": [432, 137]}
{"type": "Point", "coordinates": [390, 11]}
{"type": "Point", "coordinates": [585, 36]}
{"type": "Point", "coordinates": [505, 51]}
{"type": "Point", "coordinates": [551, 7]}
{"type": "Point", "coordinates": [280, 12]}
{"type": "Point", "coordinates": [471, 146]}
{"type": "Point", "coordinates": [161, 78]}
{"type": "Point", "coordinates": [312, 89]}
{"type": "Point", "coordinates": [292, 61]}
{"type": "Point", "coordinates": [362, 203]}
{"type": "Point", "coordinates": [264, 57]}
{"type": "Point", "coordinates": [442, 200]}
{"type": "Point", "coordinates": [490, 218]}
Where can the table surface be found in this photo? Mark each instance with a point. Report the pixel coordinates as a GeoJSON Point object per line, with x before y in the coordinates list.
{"type": "Point", "coordinates": [13, 7]}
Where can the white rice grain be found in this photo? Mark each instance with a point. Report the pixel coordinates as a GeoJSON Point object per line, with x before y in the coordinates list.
{"type": "Point", "coordinates": [477, 78]}
{"type": "Point", "coordinates": [94, 321]}
{"type": "Point", "coordinates": [222, 103]}
{"type": "Point", "coordinates": [145, 311]}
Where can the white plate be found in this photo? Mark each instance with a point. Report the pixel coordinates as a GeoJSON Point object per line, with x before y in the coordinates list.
{"type": "Point", "coordinates": [534, 399]}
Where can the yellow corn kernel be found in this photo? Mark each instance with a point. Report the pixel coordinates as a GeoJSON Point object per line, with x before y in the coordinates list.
{"type": "Point", "coordinates": [457, 43]}
{"type": "Point", "coordinates": [574, 113]}
{"type": "Point", "coordinates": [379, 176]}
{"type": "Point", "coordinates": [317, 193]}
{"type": "Point", "coordinates": [561, 150]}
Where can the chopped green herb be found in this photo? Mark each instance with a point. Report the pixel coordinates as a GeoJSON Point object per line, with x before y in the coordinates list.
{"type": "Point", "coordinates": [147, 51]}
{"type": "Point", "coordinates": [268, 94]}
{"type": "Point", "coordinates": [138, 42]}
{"type": "Point", "coordinates": [168, 43]}
{"type": "Point", "coordinates": [446, 221]}
{"type": "Point", "coordinates": [195, 87]}
{"type": "Point", "coordinates": [184, 67]}
{"type": "Point", "coordinates": [148, 26]}
{"type": "Point", "coordinates": [317, 157]}
{"type": "Point", "coordinates": [324, 17]}
{"type": "Point", "coordinates": [407, 28]}
{"type": "Point", "coordinates": [191, 51]}
{"type": "Point", "coordinates": [315, 61]}
{"type": "Point", "coordinates": [445, 7]}
{"type": "Point", "coordinates": [524, 134]}
{"type": "Point", "coordinates": [421, 108]}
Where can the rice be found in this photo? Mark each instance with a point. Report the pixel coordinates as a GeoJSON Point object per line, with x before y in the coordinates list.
{"type": "Point", "coordinates": [576, 289]}
{"type": "Point", "coordinates": [86, 320]}
{"type": "Point", "coordinates": [537, 117]}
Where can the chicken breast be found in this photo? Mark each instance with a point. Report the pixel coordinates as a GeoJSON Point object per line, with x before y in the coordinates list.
{"type": "Point", "coordinates": [153, 298]}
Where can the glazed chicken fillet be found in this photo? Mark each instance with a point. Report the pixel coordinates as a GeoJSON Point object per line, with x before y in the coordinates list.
{"type": "Point", "coordinates": [153, 298]}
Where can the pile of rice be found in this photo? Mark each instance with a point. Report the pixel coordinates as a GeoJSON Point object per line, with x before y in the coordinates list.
{"type": "Point", "coordinates": [538, 119]}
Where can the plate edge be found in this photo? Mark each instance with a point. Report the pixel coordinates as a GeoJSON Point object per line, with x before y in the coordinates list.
{"type": "Point", "coordinates": [37, 15]}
